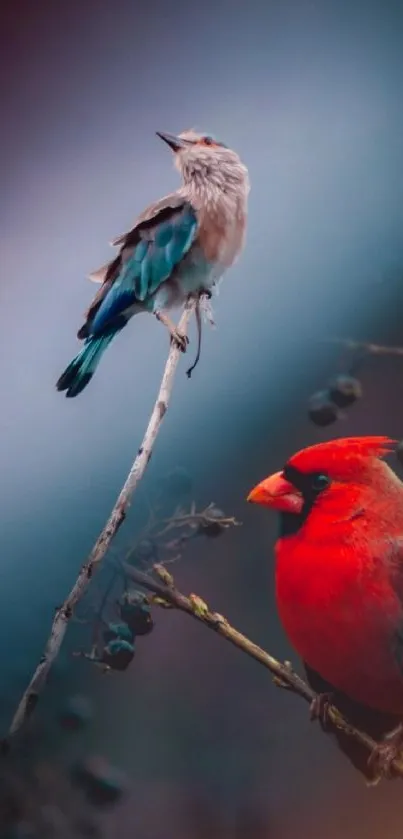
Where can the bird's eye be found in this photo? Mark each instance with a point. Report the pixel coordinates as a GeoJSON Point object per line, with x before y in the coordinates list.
{"type": "Point", "coordinates": [320, 482]}
{"type": "Point", "coordinates": [208, 141]}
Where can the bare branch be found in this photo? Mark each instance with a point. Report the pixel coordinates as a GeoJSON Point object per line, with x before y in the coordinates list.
{"type": "Point", "coordinates": [284, 675]}
{"type": "Point", "coordinates": [363, 346]}
{"type": "Point", "coordinates": [194, 518]}
{"type": "Point", "coordinates": [64, 613]}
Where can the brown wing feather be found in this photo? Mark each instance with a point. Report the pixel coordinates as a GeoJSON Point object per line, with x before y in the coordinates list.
{"type": "Point", "coordinates": [167, 204]}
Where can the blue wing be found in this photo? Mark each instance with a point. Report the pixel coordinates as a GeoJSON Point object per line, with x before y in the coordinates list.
{"type": "Point", "coordinates": [148, 255]}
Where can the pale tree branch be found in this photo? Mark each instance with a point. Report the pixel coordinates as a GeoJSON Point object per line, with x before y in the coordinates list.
{"type": "Point", "coordinates": [284, 676]}
{"type": "Point", "coordinates": [367, 347]}
{"type": "Point", "coordinates": [64, 612]}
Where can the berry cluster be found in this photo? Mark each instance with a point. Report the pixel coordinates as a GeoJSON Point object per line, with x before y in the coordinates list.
{"type": "Point", "coordinates": [173, 522]}
{"type": "Point", "coordinates": [325, 406]}
{"type": "Point", "coordinates": [119, 638]}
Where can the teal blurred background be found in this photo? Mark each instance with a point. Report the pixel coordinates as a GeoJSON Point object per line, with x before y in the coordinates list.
{"type": "Point", "coordinates": [309, 93]}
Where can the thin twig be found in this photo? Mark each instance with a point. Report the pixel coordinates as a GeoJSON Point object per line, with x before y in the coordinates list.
{"type": "Point", "coordinates": [283, 674]}
{"type": "Point", "coordinates": [371, 349]}
{"type": "Point", "coordinates": [194, 518]}
{"type": "Point", "coordinates": [64, 613]}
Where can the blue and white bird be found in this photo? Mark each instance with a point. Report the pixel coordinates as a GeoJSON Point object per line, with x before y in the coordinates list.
{"type": "Point", "coordinates": [179, 246]}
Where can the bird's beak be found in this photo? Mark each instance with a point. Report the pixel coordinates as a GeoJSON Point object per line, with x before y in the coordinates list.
{"type": "Point", "coordinates": [174, 142]}
{"type": "Point", "coordinates": [278, 494]}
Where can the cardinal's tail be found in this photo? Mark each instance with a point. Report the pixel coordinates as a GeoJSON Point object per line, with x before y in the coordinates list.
{"type": "Point", "coordinates": [80, 371]}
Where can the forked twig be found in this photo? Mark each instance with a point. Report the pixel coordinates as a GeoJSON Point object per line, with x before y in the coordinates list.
{"type": "Point", "coordinates": [284, 675]}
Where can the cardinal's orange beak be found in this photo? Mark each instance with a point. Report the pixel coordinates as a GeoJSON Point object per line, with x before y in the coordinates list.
{"type": "Point", "coordinates": [278, 494]}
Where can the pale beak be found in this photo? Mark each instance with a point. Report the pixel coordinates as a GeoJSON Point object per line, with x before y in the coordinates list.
{"type": "Point", "coordinates": [278, 494]}
{"type": "Point", "coordinates": [174, 142]}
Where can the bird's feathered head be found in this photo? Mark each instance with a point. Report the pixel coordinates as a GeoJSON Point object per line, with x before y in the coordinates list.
{"type": "Point", "coordinates": [313, 472]}
{"type": "Point", "coordinates": [200, 157]}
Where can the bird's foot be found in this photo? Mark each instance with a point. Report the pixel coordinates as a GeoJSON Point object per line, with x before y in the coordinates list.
{"type": "Point", "coordinates": [319, 709]}
{"type": "Point", "coordinates": [205, 292]}
{"type": "Point", "coordinates": [383, 755]}
{"type": "Point", "coordinates": [179, 340]}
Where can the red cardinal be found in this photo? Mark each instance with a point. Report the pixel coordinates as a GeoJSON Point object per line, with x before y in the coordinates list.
{"type": "Point", "coordinates": [339, 583]}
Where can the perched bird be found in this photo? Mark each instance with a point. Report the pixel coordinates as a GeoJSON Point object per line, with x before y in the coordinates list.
{"type": "Point", "coordinates": [179, 246]}
{"type": "Point", "coordinates": [339, 584]}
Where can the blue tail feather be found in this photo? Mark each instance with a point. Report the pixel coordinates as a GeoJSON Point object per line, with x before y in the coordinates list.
{"type": "Point", "coordinates": [80, 371]}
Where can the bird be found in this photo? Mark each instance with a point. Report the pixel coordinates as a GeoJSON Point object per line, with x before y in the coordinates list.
{"type": "Point", "coordinates": [179, 247]}
{"type": "Point", "coordinates": [339, 586]}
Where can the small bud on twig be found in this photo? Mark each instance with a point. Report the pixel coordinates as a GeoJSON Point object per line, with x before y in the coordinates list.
{"type": "Point", "coordinates": [200, 608]}
{"type": "Point", "coordinates": [163, 574]}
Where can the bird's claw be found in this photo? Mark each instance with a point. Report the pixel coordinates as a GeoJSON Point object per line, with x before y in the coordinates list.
{"type": "Point", "coordinates": [179, 340]}
{"type": "Point", "coordinates": [383, 755]}
{"type": "Point", "coordinates": [319, 709]}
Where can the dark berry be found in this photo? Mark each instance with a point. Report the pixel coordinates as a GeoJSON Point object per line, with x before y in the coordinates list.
{"type": "Point", "coordinates": [118, 654]}
{"type": "Point", "coordinates": [345, 390]}
{"type": "Point", "coordinates": [321, 410]}
{"type": "Point", "coordinates": [136, 613]}
{"type": "Point", "coordinates": [209, 528]}
{"type": "Point", "coordinates": [117, 631]}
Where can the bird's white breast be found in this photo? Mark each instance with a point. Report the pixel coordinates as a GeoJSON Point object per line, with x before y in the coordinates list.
{"type": "Point", "coordinates": [222, 231]}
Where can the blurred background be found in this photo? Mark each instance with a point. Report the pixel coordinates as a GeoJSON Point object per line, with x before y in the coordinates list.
{"type": "Point", "coordinates": [309, 94]}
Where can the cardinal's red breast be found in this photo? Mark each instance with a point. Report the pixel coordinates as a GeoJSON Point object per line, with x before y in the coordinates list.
{"type": "Point", "coordinates": [336, 594]}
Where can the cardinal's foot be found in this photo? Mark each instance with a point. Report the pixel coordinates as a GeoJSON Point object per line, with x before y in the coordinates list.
{"type": "Point", "coordinates": [383, 755]}
{"type": "Point", "coordinates": [319, 709]}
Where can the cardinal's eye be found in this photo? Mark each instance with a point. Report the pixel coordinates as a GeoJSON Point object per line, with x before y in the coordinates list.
{"type": "Point", "coordinates": [320, 482]}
